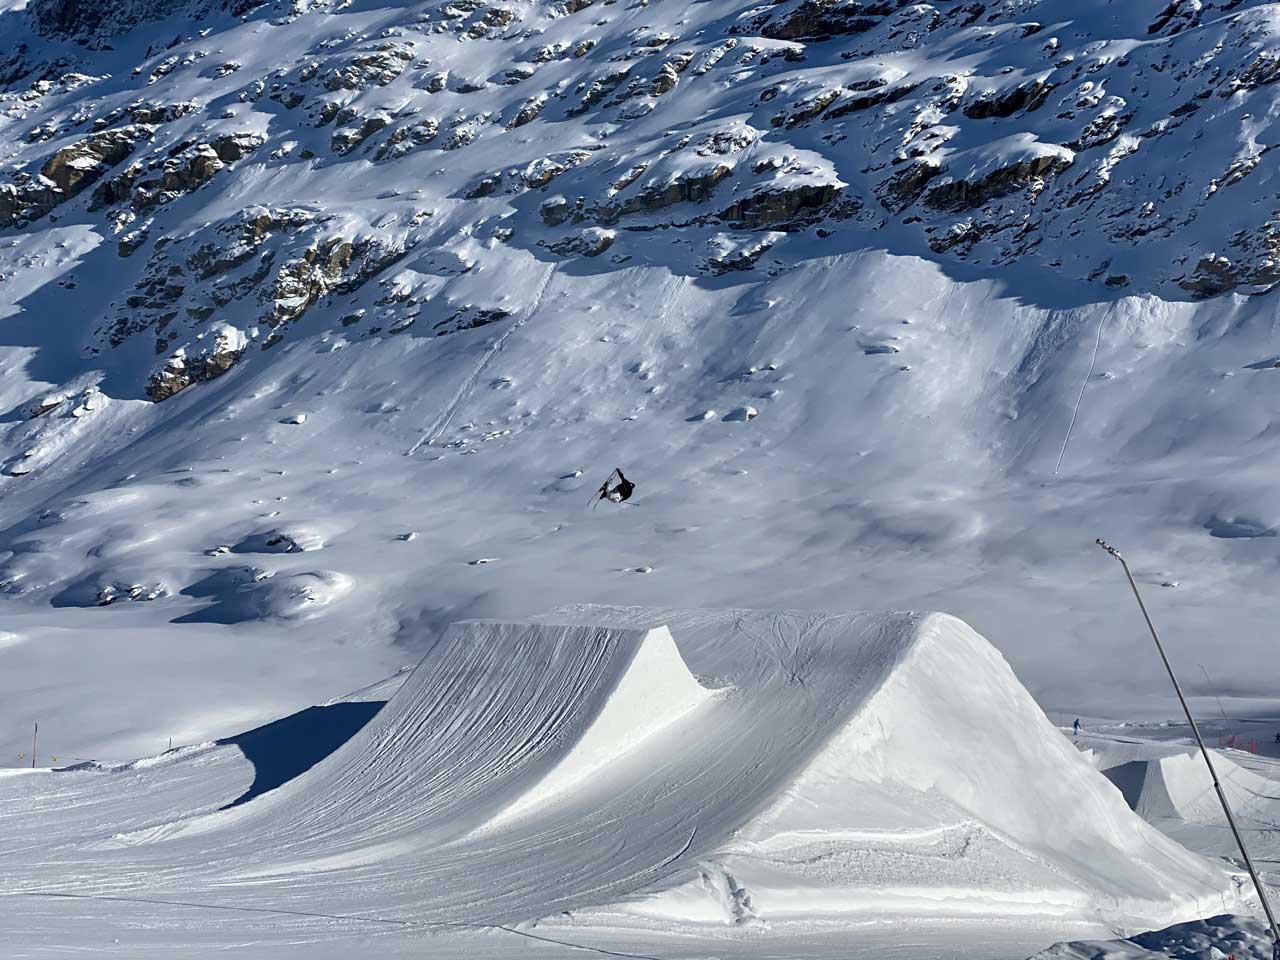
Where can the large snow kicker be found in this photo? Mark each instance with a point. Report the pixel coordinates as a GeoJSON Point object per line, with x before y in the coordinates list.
{"type": "Point", "coordinates": [641, 767]}
{"type": "Point", "coordinates": [943, 791]}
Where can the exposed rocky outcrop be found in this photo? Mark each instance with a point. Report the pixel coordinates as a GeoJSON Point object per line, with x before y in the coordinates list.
{"type": "Point", "coordinates": [1027, 96]}
{"type": "Point", "coordinates": [907, 185]}
{"type": "Point", "coordinates": [187, 167]}
{"type": "Point", "coordinates": [185, 367]}
{"type": "Point", "coordinates": [542, 171]}
{"type": "Point", "coordinates": [376, 67]}
{"type": "Point", "coordinates": [784, 206]}
{"type": "Point", "coordinates": [984, 130]}
{"type": "Point", "coordinates": [690, 186]}
{"type": "Point", "coordinates": [87, 19]}
{"type": "Point", "coordinates": [1253, 267]}
{"type": "Point", "coordinates": [589, 243]}
{"type": "Point", "coordinates": [806, 109]}
{"type": "Point", "coordinates": [469, 318]}
{"type": "Point", "coordinates": [335, 264]}
{"type": "Point", "coordinates": [867, 95]}
{"type": "Point", "coordinates": [819, 20]}
{"type": "Point", "coordinates": [967, 195]}
{"type": "Point", "coordinates": [275, 262]}
{"type": "Point", "coordinates": [68, 172]}
{"type": "Point", "coordinates": [153, 114]}
{"type": "Point", "coordinates": [348, 138]}
{"type": "Point", "coordinates": [528, 111]}
{"type": "Point", "coordinates": [730, 253]}
{"type": "Point", "coordinates": [407, 138]}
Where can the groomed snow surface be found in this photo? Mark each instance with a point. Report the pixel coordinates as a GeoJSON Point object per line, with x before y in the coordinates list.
{"type": "Point", "coordinates": [660, 783]}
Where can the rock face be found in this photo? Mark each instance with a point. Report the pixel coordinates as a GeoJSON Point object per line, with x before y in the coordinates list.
{"type": "Point", "coordinates": [695, 186]}
{"type": "Point", "coordinates": [334, 264]}
{"type": "Point", "coordinates": [1027, 96]}
{"type": "Point", "coordinates": [970, 194]}
{"type": "Point", "coordinates": [182, 369]}
{"type": "Point", "coordinates": [907, 185]}
{"type": "Point", "coordinates": [73, 168]}
{"type": "Point", "coordinates": [66, 173]}
{"type": "Point", "coordinates": [105, 18]}
{"type": "Point", "coordinates": [794, 205]}
{"type": "Point", "coordinates": [821, 20]}
{"type": "Point", "coordinates": [590, 243]}
{"type": "Point", "coordinates": [187, 168]}
{"type": "Point", "coordinates": [348, 138]}
{"type": "Point", "coordinates": [729, 253]}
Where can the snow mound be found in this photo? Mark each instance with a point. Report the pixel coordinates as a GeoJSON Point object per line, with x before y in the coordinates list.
{"type": "Point", "coordinates": [301, 595]}
{"type": "Point", "coordinates": [278, 540]}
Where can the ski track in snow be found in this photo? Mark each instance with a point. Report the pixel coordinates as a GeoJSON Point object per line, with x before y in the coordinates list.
{"type": "Point", "coordinates": [446, 417]}
{"type": "Point", "coordinates": [1075, 410]}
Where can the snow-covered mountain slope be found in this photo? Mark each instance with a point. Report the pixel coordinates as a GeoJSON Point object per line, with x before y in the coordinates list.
{"type": "Point", "coordinates": [308, 310]}
{"type": "Point", "coordinates": [740, 776]}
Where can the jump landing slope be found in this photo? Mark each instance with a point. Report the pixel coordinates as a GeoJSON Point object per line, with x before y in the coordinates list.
{"type": "Point", "coordinates": [645, 768]}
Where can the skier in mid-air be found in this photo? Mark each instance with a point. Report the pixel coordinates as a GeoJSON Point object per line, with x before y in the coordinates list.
{"type": "Point", "coordinates": [620, 492]}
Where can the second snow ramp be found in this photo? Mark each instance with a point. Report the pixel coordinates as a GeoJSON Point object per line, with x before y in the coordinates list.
{"type": "Point", "coordinates": [1172, 789]}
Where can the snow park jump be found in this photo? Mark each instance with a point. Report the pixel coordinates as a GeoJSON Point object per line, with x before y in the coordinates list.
{"type": "Point", "coordinates": [750, 774]}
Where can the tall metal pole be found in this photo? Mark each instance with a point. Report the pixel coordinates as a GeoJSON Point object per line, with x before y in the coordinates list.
{"type": "Point", "coordinates": [34, 734]}
{"type": "Point", "coordinates": [1204, 752]}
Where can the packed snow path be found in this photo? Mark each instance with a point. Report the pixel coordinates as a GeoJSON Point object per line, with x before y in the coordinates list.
{"type": "Point", "coordinates": [800, 769]}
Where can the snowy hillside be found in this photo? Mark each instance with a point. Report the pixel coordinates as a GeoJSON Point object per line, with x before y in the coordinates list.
{"type": "Point", "coordinates": [320, 323]}
{"type": "Point", "coordinates": [658, 782]}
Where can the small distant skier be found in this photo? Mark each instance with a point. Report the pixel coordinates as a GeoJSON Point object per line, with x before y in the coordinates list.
{"type": "Point", "coordinates": [1075, 727]}
{"type": "Point", "coordinates": [620, 492]}
{"type": "Point", "coordinates": [1278, 738]}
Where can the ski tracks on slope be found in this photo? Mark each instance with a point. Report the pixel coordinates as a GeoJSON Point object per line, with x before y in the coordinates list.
{"type": "Point", "coordinates": [442, 422]}
{"type": "Point", "coordinates": [1075, 411]}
